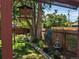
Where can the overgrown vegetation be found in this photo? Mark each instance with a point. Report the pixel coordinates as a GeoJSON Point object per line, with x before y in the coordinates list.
{"type": "Point", "coordinates": [23, 49]}
{"type": "Point", "coordinates": [55, 20]}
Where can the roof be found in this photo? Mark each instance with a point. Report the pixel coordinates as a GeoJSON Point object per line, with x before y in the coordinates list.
{"type": "Point", "coordinates": [75, 23]}
{"type": "Point", "coordinates": [70, 2]}
{"type": "Point", "coordinates": [65, 3]}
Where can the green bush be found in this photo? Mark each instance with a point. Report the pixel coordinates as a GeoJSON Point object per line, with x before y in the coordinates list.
{"type": "Point", "coordinates": [23, 49]}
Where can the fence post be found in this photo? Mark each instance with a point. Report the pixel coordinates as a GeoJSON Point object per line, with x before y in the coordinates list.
{"type": "Point", "coordinates": [78, 37]}
{"type": "Point", "coordinates": [6, 28]}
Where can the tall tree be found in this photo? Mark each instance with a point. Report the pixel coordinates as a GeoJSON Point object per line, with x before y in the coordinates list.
{"type": "Point", "coordinates": [55, 20]}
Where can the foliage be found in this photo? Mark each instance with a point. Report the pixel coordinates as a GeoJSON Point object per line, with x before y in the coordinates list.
{"type": "Point", "coordinates": [16, 13]}
{"type": "Point", "coordinates": [54, 20]}
{"type": "Point", "coordinates": [23, 49]}
{"type": "Point", "coordinates": [22, 23]}
{"type": "Point", "coordinates": [39, 42]}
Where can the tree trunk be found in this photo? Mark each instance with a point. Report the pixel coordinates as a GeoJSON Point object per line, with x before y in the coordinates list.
{"type": "Point", "coordinates": [39, 25]}
{"type": "Point", "coordinates": [34, 22]}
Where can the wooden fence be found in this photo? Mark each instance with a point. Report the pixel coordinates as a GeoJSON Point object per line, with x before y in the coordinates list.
{"type": "Point", "coordinates": [66, 35]}
{"type": "Point", "coordinates": [68, 39]}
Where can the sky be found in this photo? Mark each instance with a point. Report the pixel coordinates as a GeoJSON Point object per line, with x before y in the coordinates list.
{"type": "Point", "coordinates": [63, 10]}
